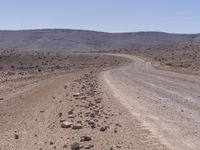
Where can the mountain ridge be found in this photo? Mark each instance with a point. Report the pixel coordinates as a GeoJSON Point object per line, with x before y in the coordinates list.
{"type": "Point", "coordinates": [85, 40]}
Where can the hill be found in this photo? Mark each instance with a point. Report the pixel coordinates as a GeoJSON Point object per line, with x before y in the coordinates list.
{"type": "Point", "coordinates": [81, 40]}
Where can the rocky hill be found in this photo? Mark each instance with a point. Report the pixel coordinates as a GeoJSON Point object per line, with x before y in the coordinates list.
{"type": "Point", "coordinates": [81, 40]}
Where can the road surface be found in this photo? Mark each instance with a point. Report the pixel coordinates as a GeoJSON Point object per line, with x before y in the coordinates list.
{"type": "Point", "coordinates": [166, 103]}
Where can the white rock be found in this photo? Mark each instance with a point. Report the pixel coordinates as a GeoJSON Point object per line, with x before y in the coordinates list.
{"type": "Point", "coordinates": [66, 124]}
{"type": "Point", "coordinates": [77, 94]}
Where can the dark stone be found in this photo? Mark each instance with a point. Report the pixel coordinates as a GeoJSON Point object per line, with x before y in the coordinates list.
{"type": "Point", "coordinates": [51, 143]}
{"type": "Point", "coordinates": [16, 136]}
{"type": "Point", "coordinates": [75, 146]}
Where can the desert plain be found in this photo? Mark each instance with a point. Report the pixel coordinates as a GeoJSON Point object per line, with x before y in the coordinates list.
{"type": "Point", "coordinates": [144, 97]}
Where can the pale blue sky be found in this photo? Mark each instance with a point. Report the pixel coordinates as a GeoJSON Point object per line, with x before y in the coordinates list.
{"type": "Point", "coordinates": [178, 16]}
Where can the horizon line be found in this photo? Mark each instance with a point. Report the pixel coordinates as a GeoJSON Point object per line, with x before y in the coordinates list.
{"type": "Point", "coordinates": [142, 31]}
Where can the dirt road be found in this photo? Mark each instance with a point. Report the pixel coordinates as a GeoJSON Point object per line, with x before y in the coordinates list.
{"type": "Point", "coordinates": [167, 103]}
{"type": "Point", "coordinates": [32, 112]}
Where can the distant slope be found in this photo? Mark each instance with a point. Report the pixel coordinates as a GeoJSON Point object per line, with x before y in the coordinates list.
{"type": "Point", "coordinates": [80, 40]}
{"type": "Point", "coordinates": [183, 57]}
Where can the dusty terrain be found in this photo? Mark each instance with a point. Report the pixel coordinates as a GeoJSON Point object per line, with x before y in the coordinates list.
{"type": "Point", "coordinates": [181, 57]}
{"type": "Point", "coordinates": [167, 103]}
{"type": "Point", "coordinates": [16, 64]}
{"type": "Point", "coordinates": [66, 109]}
{"type": "Point", "coordinates": [66, 101]}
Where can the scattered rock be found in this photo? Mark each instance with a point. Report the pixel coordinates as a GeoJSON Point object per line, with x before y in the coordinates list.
{"type": "Point", "coordinates": [16, 136]}
{"type": "Point", "coordinates": [92, 124]}
{"type": "Point", "coordinates": [1, 99]}
{"type": "Point", "coordinates": [98, 100]}
{"type": "Point", "coordinates": [77, 94]}
{"type": "Point", "coordinates": [83, 98]}
{"type": "Point", "coordinates": [117, 124]}
{"type": "Point", "coordinates": [77, 126]}
{"type": "Point", "coordinates": [95, 114]}
{"type": "Point", "coordinates": [66, 124]}
{"type": "Point", "coordinates": [51, 143]}
{"type": "Point", "coordinates": [115, 131]}
{"type": "Point", "coordinates": [62, 120]}
{"type": "Point", "coordinates": [76, 146]}
{"type": "Point", "coordinates": [71, 116]}
{"type": "Point", "coordinates": [71, 112]}
{"type": "Point", "coordinates": [88, 146]}
{"type": "Point", "coordinates": [80, 122]}
{"type": "Point", "coordinates": [60, 114]}
{"type": "Point", "coordinates": [103, 128]}
{"type": "Point", "coordinates": [118, 146]}
{"type": "Point", "coordinates": [92, 115]}
{"type": "Point", "coordinates": [85, 138]}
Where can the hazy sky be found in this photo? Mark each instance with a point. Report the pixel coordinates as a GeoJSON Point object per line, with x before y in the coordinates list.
{"type": "Point", "coordinates": [180, 16]}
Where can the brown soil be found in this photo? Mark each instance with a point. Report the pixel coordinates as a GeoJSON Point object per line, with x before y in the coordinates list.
{"type": "Point", "coordinates": [34, 106]}
{"type": "Point", "coordinates": [182, 57]}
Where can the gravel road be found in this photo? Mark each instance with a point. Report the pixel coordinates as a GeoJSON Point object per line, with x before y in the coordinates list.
{"type": "Point", "coordinates": [166, 103]}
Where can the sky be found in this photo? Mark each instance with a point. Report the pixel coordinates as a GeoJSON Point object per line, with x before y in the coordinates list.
{"type": "Point", "coordinates": [174, 16]}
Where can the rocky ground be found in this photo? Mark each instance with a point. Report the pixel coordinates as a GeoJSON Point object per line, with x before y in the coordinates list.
{"type": "Point", "coordinates": [69, 111]}
{"type": "Point", "coordinates": [180, 57]}
{"type": "Point", "coordinates": [57, 101]}
{"type": "Point", "coordinates": [166, 102]}
{"type": "Point", "coordinates": [50, 101]}
{"type": "Point", "coordinates": [57, 107]}
{"type": "Point", "coordinates": [65, 109]}
{"type": "Point", "coordinates": [15, 64]}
